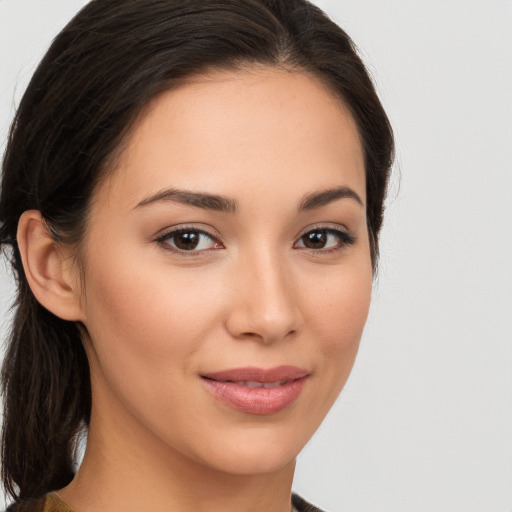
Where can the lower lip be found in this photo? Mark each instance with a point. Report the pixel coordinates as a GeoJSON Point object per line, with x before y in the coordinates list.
{"type": "Point", "coordinates": [256, 400]}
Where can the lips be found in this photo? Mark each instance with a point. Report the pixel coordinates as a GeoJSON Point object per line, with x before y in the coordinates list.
{"type": "Point", "coordinates": [256, 390]}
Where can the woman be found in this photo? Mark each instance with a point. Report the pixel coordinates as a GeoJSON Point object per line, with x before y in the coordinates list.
{"type": "Point", "coordinates": [192, 195]}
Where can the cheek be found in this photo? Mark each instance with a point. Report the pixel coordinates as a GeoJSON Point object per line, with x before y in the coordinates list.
{"type": "Point", "coordinates": [145, 336]}
{"type": "Point", "coordinates": [145, 317]}
{"type": "Point", "coordinates": [340, 308]}
{"type": "Point", "coordinates": [337, 316]}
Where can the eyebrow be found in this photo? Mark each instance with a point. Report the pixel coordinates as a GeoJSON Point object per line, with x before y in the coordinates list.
{"type": "Point", "coordinates": [227, 205]}
{"type": "Point", "coordinates": [197, 199]}
{"type": "Point", "coordinates": [319, 199]}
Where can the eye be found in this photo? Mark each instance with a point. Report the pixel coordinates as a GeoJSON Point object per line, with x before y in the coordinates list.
{"type": "Point", "coordinates": [325, 239]}
{"type": "Point", "coordinates": [188, 240]}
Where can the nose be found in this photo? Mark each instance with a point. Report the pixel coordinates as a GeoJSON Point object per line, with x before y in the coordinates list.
{"type": "Point", "coordinates": [264, 304]}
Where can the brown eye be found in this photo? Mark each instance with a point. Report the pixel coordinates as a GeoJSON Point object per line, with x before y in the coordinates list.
{"type": "Point", "coordinates": [324, 239]}
{"type": "Point", "coordinates": [315, 239]}
{"type": "Point", "coordinates": [188, 240]}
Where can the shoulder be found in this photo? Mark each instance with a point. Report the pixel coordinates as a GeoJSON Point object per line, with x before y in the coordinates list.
{"type": "Point", "coordinates": [301, 505]}
{"type": "Point", "coordinates": [28, 505]}
{"type": "Point", "coordinates": [47, 503]}
{"type": "Point", "coordinates": [51, 503]}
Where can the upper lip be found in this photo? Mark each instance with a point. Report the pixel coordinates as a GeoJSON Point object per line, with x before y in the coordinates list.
{"type": "Point", "coordinates": [254, 374]}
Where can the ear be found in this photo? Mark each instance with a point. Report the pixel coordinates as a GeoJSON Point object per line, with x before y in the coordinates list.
{"type": "Point", "coordinates": [48, 268]}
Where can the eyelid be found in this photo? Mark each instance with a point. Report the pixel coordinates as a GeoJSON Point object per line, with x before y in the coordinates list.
{"type": "Point", "coordinates": [175, 230]}
{"type": "Point", "coordinates": [346, 237]}
{"type": "Point", "coordinates": [323, 226]}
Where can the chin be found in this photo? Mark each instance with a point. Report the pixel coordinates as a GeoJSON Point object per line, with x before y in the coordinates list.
{"type": "Point", "coordinates": [251, 450]}
{"type": "Point", "coordinates": [244, 460]}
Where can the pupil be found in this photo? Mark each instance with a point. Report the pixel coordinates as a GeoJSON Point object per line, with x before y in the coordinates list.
{"type": "Point", "coordinates": [315, 240]}
{"type": "Point", "coordinates": [187, 241]}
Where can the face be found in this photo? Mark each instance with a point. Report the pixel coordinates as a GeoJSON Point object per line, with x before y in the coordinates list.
{"type": "Point", "coordinates": [228, 274]}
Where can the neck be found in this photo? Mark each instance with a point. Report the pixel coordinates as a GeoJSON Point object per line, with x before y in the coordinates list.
{"type": "Point", "coordinates": [129, 470]}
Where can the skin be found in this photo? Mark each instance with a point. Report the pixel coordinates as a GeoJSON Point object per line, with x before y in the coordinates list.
{"type": "Point", "coordinates": [253, 294]}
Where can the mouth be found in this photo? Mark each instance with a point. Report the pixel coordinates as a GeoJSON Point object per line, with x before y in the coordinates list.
{"type": "Point", "coordinates": [255, 384]}
{"type": "Point", "coordinates": [256, 390]}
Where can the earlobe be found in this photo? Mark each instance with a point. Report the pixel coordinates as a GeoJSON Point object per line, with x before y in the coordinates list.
{"type": "Point", "coordinates": [49, 271]}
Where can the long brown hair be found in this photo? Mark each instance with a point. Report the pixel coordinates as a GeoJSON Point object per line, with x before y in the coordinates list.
{"type": "Point", "coordinates": [97, 76]}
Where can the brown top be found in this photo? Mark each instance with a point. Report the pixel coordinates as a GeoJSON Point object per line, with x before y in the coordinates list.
{"type": "Point", "coordinates": [52, 503]}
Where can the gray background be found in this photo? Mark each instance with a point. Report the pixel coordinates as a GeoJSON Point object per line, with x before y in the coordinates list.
{"type": "Point", "coordinates": [425, 421]}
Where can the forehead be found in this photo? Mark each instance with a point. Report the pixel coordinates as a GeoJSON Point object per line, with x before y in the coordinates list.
{"type": "Point", "coordinates": [227, 130]}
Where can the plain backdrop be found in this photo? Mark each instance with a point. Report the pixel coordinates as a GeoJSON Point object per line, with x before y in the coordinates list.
{"type": "Point", "coordinates": [425, 421]}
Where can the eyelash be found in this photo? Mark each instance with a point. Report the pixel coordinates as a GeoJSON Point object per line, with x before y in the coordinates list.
{"type": "Point", "coordinates": [345, 239]}
{"type": "Point", "coordinates": [163, 240]}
